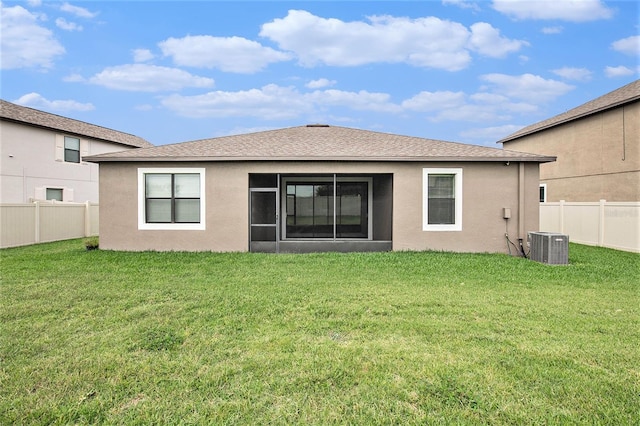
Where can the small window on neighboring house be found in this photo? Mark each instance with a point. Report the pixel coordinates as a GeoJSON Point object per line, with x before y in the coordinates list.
{"type": "Point", "coordinates": [442, 202]}
{"type": "Point", "coordinates": [71, 149]}
{"type": "Point", "coordinates": [54, 194]}
{"type": "Point", "coordinates": [543, 193]}
{"type": "Point", "coordinates": [171, 198]}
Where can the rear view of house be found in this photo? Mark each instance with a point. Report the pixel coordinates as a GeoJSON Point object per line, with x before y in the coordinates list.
{"type": "Point", "coordinates": [317, 188]}
{"type": "Point", "coordinates": [42, 155]}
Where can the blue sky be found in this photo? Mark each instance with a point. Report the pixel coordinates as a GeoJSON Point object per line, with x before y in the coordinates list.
{"type": "Point", "coordinates": [454, 70]}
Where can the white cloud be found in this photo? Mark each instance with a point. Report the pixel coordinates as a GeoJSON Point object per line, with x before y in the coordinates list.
{"type": "Point", "coordinates": [67, 26]}
{"type": "Point", "coordinates": [566, 10]}
{"type": "Point", "coordinates": [463, 4]}
{"type": "Point", "coordinates": [78, 11]}
{"type": "Point", "coordinates": [425, 42]}
{"type": "Point", "coordinates": [24, 43]}
{"type": "Point", "coordinates": [34, 3]}
{"type": "Point", "coordinates": [148, 78]}
{"type": "Point", "coordinates": [273, 102]}
{"type": "Point", "coordinates": [231, 54]}
{"type": "Point", "coordinates": [620, 71]}
{"type": "Point", "coordinates": [552, 30]}
{"type": "Point", "coordinates": [270, 102]}
{"type": "Point", "coordinates": [142, 55]}
{"type": "Point", "coordinates": [528, 87]}
{"type": "Point", "coordinates": [628, 46]}
{"type": "Point", "coordinates": [73, 78]}
{"type": "Point", "coordinates": [359, 101]}
{"type": "Point", "coordinates": [434, 101]}
{"type": "Point", "coordinates": [320, 83]}
{"type": "Point", "coordinates": [578, 74]}
{"type": "Point", "coordinates": [36, 100]}
{"type": "Point", "coordinates": [487, 40]}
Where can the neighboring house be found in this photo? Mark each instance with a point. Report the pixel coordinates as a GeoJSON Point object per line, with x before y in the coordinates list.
{"type": "Point", "coordinates": [317, 188]}
{"type": "Point", "coordinates": [597, 146]}
{"type": "Point", "coordinates": [42, 155]}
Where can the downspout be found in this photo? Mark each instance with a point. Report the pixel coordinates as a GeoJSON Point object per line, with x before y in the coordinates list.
{"type": "Point", "coordinates": [521, 207]}
{"type": "Point", "coordinates": [624, 138]}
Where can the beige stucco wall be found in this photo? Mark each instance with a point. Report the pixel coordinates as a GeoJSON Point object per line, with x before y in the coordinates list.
{"type": "Point", "coordinates": [598, 157]}
{"type": "Point", "coordinates": [487, 189]}
{"type": "Point", "coordinates": [28, 161]}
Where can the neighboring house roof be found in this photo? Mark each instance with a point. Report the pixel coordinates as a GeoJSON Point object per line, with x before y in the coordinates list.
{"type": "Point", "coordinates": [34, 117]}
{"type": "Point", "coordinates": [316, 142]}
{"type": "Point", "coordinates": [624, 95]}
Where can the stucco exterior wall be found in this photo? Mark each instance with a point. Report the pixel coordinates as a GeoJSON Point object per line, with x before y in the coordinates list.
{"type": "Point", "coordinates": [487, 189]}
{"type": "Point", "coordinates": [28, 161]}
{"type": "Point", "coordinates": [598, 157]}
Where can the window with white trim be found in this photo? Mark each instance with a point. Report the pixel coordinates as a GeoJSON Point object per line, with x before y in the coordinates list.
{"type": "Point", "coordinates": [71, 149]}
{"type": "Point", "coordinates": [54, 194]}
{"type": "Point", "coordinates": [171, 198]}
{"type": "Point", "coordinates": [543, 192]}
{"type": "Point", "coordinates": [442, 199]}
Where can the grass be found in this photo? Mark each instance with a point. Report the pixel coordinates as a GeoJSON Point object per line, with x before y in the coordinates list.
{"type": "Point", "coordinates": [382, 338]}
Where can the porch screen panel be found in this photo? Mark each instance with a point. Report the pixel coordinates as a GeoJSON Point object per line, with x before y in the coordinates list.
{"type": "Point", "coordinates": [442, 202]}
{"type": "Point", "coordinates": [352, 206]}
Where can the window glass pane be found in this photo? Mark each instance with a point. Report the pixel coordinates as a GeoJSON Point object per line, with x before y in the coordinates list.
{"type": "Point", "coordinates": [71, 143]}
{"type": "Point", "coordinates": [309, 210]}
{"type": "Point", "coordinates": [54, 194]}
{"type": "Point", "coordinates": [158, 211]}
{"type": "Point", "coordinates": [187, 185]}
{"type": "Point", "coordinates": [187, 211]}
{"type": "Point", "coordinates": [542, 197]}
{"type": "Point", "coordinates": [441, 186]}
{"type": "Point", "coordinates": [441, 199]}
{"type": "Point", "coordinates": [71, 156]}
{"type": "Point", "coordinates": [158, 185]}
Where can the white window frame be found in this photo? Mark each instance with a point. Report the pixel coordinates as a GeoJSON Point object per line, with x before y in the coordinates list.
{"type": "Point", "coordinates": [143, 225]}
{"type": "Point", "coordinates": [543, 186]}
{"type": "Point", "coordinates": [457, 172]}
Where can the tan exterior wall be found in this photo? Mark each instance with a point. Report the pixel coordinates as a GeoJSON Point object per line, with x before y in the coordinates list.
{"type": "Point", "coordinates": [598, 157]}
{"type": "Point", "coordinates": [28, 165]}
{"type": "Point", "coordinates": [487, 189]}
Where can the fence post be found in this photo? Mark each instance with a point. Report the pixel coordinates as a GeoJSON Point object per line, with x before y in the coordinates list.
{"type": "Point", "coordinates": [87, 219]}
{"type": "Point", "coordinates": [601, 223]}
{"type": "Point", "coordinates": [562, 216]}
{"type": "Point", "coordinates": [37, 224]}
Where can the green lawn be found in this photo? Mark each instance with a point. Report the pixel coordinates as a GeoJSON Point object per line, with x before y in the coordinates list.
{"type": "Point", "coordinates": [380, 338]}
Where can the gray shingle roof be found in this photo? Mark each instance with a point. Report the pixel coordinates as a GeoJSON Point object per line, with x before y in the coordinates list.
{"type": "Point", "coordinates": [319, 143]}
{"type": "Point", "coordinates": [624, 95]}
{"type": "Point", "coordinates": [34, 117]}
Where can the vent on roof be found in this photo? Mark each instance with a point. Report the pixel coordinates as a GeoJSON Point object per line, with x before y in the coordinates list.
{"type": "Point", "coordinates": [317, 125]}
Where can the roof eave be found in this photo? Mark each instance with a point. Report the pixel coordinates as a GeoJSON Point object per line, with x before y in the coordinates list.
{"type": "Point", "coordinates": [72, 133]}
{"type": "Point", "coordinates": [532, 159]}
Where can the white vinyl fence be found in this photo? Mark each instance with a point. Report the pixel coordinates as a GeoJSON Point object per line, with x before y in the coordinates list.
{"type": "Point", "coordinates": [40, 222]}
{"type": "Point", "coordinates": [605, 223]}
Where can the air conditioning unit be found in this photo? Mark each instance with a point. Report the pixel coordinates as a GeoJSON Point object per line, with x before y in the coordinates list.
{"type": "Point", "coordinates": [550, 248]}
